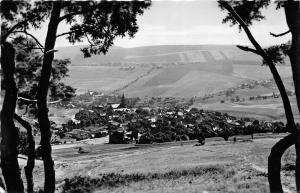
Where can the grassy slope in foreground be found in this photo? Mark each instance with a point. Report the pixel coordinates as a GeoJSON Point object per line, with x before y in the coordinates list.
{"type": "Point", "coordinates": [173, 169]}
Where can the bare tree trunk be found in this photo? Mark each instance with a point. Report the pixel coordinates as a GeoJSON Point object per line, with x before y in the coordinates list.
{"type": "Point", "coordinates": [292, 12]}
{"type": "Point", "coordinates": [9, 133]}
{"type": "Point", "coordinates": [42, 92]}
{"type": "Point", "coordinates": [31, 153]}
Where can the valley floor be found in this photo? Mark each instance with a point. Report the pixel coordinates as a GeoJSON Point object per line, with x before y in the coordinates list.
{"type": "Point", "coordinates": [218, 166]}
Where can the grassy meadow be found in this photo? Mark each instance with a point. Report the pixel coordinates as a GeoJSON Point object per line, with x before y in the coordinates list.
{"type": "Point", "coordinates": [217, 167]}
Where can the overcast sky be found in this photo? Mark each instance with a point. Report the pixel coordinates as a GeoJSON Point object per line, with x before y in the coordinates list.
{"type": "Point", "coordinates": [194, 22]}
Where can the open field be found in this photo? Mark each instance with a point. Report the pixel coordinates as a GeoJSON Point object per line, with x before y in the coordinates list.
{"type": "Point", "coordinates": [270, 109]}
{"type": "Point", "coordinates": [85, 78]}
{"type": "Point", "coordinates": [258, 72]}
{"type": "Point", "coordinates": [177, 81]}
{"type": "Point", "coordinates": [218, 166]}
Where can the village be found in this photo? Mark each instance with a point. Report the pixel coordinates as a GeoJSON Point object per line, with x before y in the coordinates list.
{"type": "Point", "coordinates": [232, 94]}
{"type": "Point", "coordinates": [136, 122]}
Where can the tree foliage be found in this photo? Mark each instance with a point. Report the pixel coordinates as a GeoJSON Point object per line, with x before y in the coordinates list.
{"type": "Point", "coordinates": [28, 71]}
{"type": "Point", "coordinates": [249, 11]}
{"type": "Point", "coordinates": [17, 16]}
{"type": "Point", "coordinates": [277, 53]}
{"type": "Point", "coordinates": [101, 22]}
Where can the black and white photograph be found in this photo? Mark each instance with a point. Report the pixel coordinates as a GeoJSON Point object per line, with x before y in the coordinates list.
{"type": "Point", "coordinates": [150, 96]}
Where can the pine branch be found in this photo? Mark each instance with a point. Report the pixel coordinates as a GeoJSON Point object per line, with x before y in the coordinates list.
{"type": "Point", "coordinates": [278, 35]}
{"type": "Point", "coordinates": [67, 33]}
{"type": "Point", "coordinates": [247, 49]}
{"type": "Point", "coordinates": [57, 101]}
{"type": "Point", "coordinates": [88, 39]}
{"type": "Point", "coordinates": [34, 101]}
{"type": "Point", "coordinates": [259, 49]}
{"type": "Point", "coordinates": [25, 99]}
{"type": "Point", "coordinates": [32, 36]}
{"type": "Point", "coordinates": [16, 26]}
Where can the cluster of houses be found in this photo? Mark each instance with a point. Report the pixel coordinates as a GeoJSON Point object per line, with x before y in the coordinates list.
{"type": "Point", "coordinates": [148, 115]}
{"type": "Point", "coordinates": [126, 125]}
{"type": "Point", "coordinates": [270, 95]}
{"type": "Point", "coordinates": [269, 83]}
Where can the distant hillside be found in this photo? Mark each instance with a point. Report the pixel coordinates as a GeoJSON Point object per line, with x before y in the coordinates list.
{"type": "Point", "coordinates": [168, 70]}
{"type": "Point", "coordinates": [160, 54]}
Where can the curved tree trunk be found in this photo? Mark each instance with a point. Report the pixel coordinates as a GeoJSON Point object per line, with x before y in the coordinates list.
{"type": "Point", "coordinates": [42, 92]}
{"type": "Point", "coordinates": [9, 133]}
{"type": "Point", "coordinates": [274, 162]}
{"type": "Point", "coordinates": [292, 12]}
{"type": "Point", "coordinates": [31, 153]}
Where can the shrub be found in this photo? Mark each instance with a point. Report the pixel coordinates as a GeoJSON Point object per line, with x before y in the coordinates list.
{"type": "Point", "coordinates": [178, 138]}
{"type": "Point", "coordinates": [201, 138]}
{"type": "Point", "coordinates": [146, 138]}
{"type": "Point", "coordinates": [278, 127]}
{"type": "Point", "coordinates": [184, 137]}
{"type": "Point", "coordinates": [167, 138]}
{"type": "Point", "coordinates": [248, 130]}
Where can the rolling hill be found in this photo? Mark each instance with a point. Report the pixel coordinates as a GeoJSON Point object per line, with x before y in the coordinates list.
{"type": "Point", "coordinates": [160, 54]}
{"type": "Point", "coordinates": [167, 70]}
